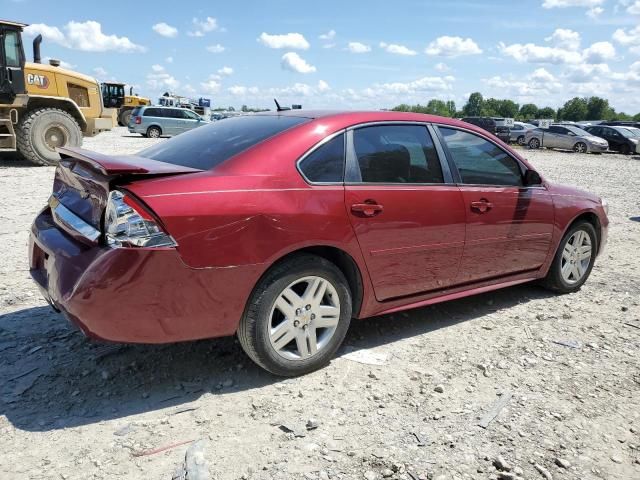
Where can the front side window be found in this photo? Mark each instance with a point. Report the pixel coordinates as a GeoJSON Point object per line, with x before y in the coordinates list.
{"type": "Point", "coordinates": [479, 161]}
{"type": "Point", "coordinates": [397, 154]}
{"type": "Point", "coordinates": [12, 49]}
{"type": "Point", "coordinates": [326, 163]}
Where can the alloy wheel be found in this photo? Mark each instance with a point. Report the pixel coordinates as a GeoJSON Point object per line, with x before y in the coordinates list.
{"type": "Point", "coordinates": [304, 318]}
{"type": "Point", "coordinates": [576, 257]}
{"type": "Point", "coordinates": [521, 140]}
{"type": "Point", "coordinates": [580, 147]}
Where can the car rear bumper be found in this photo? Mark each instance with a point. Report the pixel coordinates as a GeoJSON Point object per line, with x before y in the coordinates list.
{"type": "Point", "coordinates": [135, 129]}
{"type": "Point", "coordinates": [135, 295]}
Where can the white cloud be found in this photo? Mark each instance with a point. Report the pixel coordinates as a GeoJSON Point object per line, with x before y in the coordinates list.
{"type": "Point", "coordinates": [217, 48]}
{"type": "Point", "coordinates": [159, 79]}
{"type": "Point", "coordinates": [447, 46]}
{"type": "Point", "coordinates": [212, 86]}
{"type": "Point", "coordinates": [441, 67]}
{"type": "Point", "coordinates": [100, 72]}
{"type": "Point", "coordinates": [595, 12]}
{"type": "Point", "coordinates": [86, 36]}
{"type": "Point", "coordinates": [542, 75]}
{"type": "Point", "coordinates": [225, 71]}
{"type": "Point", "coordinates": [165, 30]}
{"type": "Point", "coordinates": [294, 62]}
{"type": "Point", "coordinates": [538, 84]}
{"type": "Point", "coordinates": [201, 27]}
{"type": "Point", "coordinates": [585, 73]}
{"type": "Point", "coordinates": [599, 52]}
{"type": "Point", "coordinates": [357, 47]}
{"type": "Point", "coordinates": [634, 8]}
{"type": "Point", "coordinates": [48, 32]}
{"type": "Point", "coordinates": [169, 59]}
{"type": "Point", "coordinates": [323, 86]}
{"type": "Point", "coordinates": [397, 49]}
{"type": "Point", "coordinates": [565, 38]}
{"type": "Point", "coordinates": [571, 3]}
{"type": "Point", "coordinates": [631, 38]}
{"type": "Point", "coordinates": [425, 84]}
{"type": "Point", "coordinates": [290, 40]}
{"type": "Point", "coordinates": [531, 53]}
{"type": "Point", "coordinates": [330, 35]}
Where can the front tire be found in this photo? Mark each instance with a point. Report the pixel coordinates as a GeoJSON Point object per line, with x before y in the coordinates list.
{"type": "Point", "coordinates": [297, 316]}
{"type": "Point", "coordinates": [42, 130]}
{"type": "Point", "coordinates": [574, 259]}
{"type": "Point", "coordinates": [534, 143]}
{"type": "Point", "coordinates": [580, 147]}
{"type": "Point", "coordinates": [520, 140]}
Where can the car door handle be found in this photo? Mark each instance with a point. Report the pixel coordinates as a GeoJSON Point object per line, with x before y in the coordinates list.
{"type": "Point", "coordinates": [369, 208]}
{"type": "Point", "coordinates": [482, 206]}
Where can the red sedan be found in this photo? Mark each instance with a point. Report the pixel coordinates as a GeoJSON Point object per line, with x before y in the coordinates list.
{"type": "Point", "coordinates": [281, 227]}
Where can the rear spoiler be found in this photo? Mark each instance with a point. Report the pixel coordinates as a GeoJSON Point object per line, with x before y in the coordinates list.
{"type": "Point", "coordinates": [117, 165]}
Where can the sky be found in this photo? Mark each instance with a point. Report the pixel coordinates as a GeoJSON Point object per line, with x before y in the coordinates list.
{"type": "Point", "coordinates": [348, 54]}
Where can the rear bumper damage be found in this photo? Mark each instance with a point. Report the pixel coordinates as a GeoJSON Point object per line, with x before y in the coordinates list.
{"type": "Point", "coordinates": [135, 295]}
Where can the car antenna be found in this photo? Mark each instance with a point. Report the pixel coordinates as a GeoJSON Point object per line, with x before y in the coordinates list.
{"type": "Point", "coordinates": [279, 108]}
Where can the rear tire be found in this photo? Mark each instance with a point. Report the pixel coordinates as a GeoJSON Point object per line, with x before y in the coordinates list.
{"type": "Point", "coordinates": [565, 276]}
{"type": "Point", "coordinates": [154, 132]}
{"type": "Point", "coordinates": [42, 130]}
{"type": "Point", "coordinates": [625, 150]}
{"type": "Point", "coordinates": [534, 143]}
{"type": "Point", "coordinates": [273, 339]}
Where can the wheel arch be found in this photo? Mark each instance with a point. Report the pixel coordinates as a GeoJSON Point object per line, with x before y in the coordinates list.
{"type": "Point", "coordinates": [155, 125]}
{"type": "Point", "coordinates": [341, 259]}
{"type": "Point", "coordinates": [593, 219]}
{"type": "Point", "coordinates": [65, 104]}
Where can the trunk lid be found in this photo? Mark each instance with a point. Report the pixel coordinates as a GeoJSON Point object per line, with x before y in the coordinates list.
{"type": "Point", "coordinates": [84, 178]}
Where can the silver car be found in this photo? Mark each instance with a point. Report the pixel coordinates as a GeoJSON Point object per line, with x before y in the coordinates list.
{"type": "Point", "coordinates": [153, 121]}
{"type": "Point", "coordinates": [518, 130]}
{"type": "Point", "coordinates": [565, 137]}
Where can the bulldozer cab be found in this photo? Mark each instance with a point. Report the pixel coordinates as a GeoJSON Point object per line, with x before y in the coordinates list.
{"type": "Point", "coordinates": [113, 95]}
{"type": "Point", "coordinates": [11, 61]}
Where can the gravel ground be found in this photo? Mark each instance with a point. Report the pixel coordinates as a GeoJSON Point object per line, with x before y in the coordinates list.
{"type": "Point", "coordinates": [562, 373]}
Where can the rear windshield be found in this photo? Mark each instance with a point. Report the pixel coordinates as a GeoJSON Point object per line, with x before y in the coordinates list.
{"type": "Point", "coordinates": [210, 145]}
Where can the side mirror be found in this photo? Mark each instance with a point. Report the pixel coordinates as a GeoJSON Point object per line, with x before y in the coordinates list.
{"type": "Point", "coordinates": [531, 178]}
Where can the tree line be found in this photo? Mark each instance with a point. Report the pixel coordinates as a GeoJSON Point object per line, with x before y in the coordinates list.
{"type": "Point", "coordinates": [577, 109]}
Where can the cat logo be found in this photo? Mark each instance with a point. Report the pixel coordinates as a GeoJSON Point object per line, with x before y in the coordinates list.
{"type": "Point", "coordinates": [40, 81]}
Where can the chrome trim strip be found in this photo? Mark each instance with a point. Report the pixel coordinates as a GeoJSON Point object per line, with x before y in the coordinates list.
{"type": "Point", "coordinates": [71, 222]}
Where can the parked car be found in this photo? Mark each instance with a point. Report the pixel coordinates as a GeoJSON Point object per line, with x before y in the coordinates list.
{"type": "Point", "coordinates": [280, 227]}
{"type": "Point", "coordinates": [518, 130]}
{"type": "Point", "coordinates": [620, 139]}
{"type": "Point", "coordinates": [154, 121]}
{"type": "Point", "coordinates": [566, 138]}
{"type": "Point", "coordinates": [490, 125]}
{"type": "Point", "coordinates": [622, 123]}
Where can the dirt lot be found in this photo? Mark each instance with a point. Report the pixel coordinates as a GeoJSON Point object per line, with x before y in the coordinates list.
{"type": "Point", "coordinates": [564, 368]}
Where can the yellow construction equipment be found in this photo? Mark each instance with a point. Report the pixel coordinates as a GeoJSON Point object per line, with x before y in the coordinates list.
{"type": "Point", "coordinates": [43, 107]}
{"type": "Point", "coordinates": [113, 96]}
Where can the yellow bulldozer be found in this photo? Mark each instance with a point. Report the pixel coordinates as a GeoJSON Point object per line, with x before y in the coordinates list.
{"type": "Point", "coordinates": [113, 96]}
{"type": "Point", "coordinates": [43, 107]}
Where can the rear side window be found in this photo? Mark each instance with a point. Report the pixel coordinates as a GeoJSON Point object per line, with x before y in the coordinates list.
{"type": "Point", "coordinates": [154, 112]}
{"type": "Point", "coordinates": [326, 163]}
{"type": "Point", "coordinates": [210, 145]}
{"type": "Point", "coordinates": [479, 161]}
{"type": "Point", "coordinates": [397, 154]}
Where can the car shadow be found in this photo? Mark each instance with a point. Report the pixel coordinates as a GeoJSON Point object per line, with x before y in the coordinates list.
{"type": "Point", "coordinates": [52, 377]}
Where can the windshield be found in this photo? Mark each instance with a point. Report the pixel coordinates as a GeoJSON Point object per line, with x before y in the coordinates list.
{"type": "Point", "coordinates": [625, 132]}
{"type": "Point", "coordinates": [578, 131]}
{"type": "Point", "coordinates": [634, 131]}
{"type": "Point", "coordinates": [208, 146]}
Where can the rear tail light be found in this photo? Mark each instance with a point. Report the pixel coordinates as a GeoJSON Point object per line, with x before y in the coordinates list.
{"type": "Point", "coordinates": [138, 120]}
{"type": "Point", "coordinates": [128, 224]}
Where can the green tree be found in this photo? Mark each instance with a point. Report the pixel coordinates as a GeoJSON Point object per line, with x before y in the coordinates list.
{"type": "Point", "coordinates": [598, 109]}
{"type": "Point", "coordinates": [528, 111]}
{"type": "Point", "coordinates": [624, 116]}
{"type": "Point", "coordinates": [636, 117]}
{"type": "Point", "coordinates": [490, 107]}
{"type": "Point", "coordinates": [474, 106]}
{"type": "Point", "coordinates": [546, 113]}
{"type": "Point", "coordinates": [574, 110]}
{"type": "Point", "coordinates": [508, 109]}
{"type": "Point", "coordinates": [437, 107]}
{"type": "Point", "coordinates": [451, 108]}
